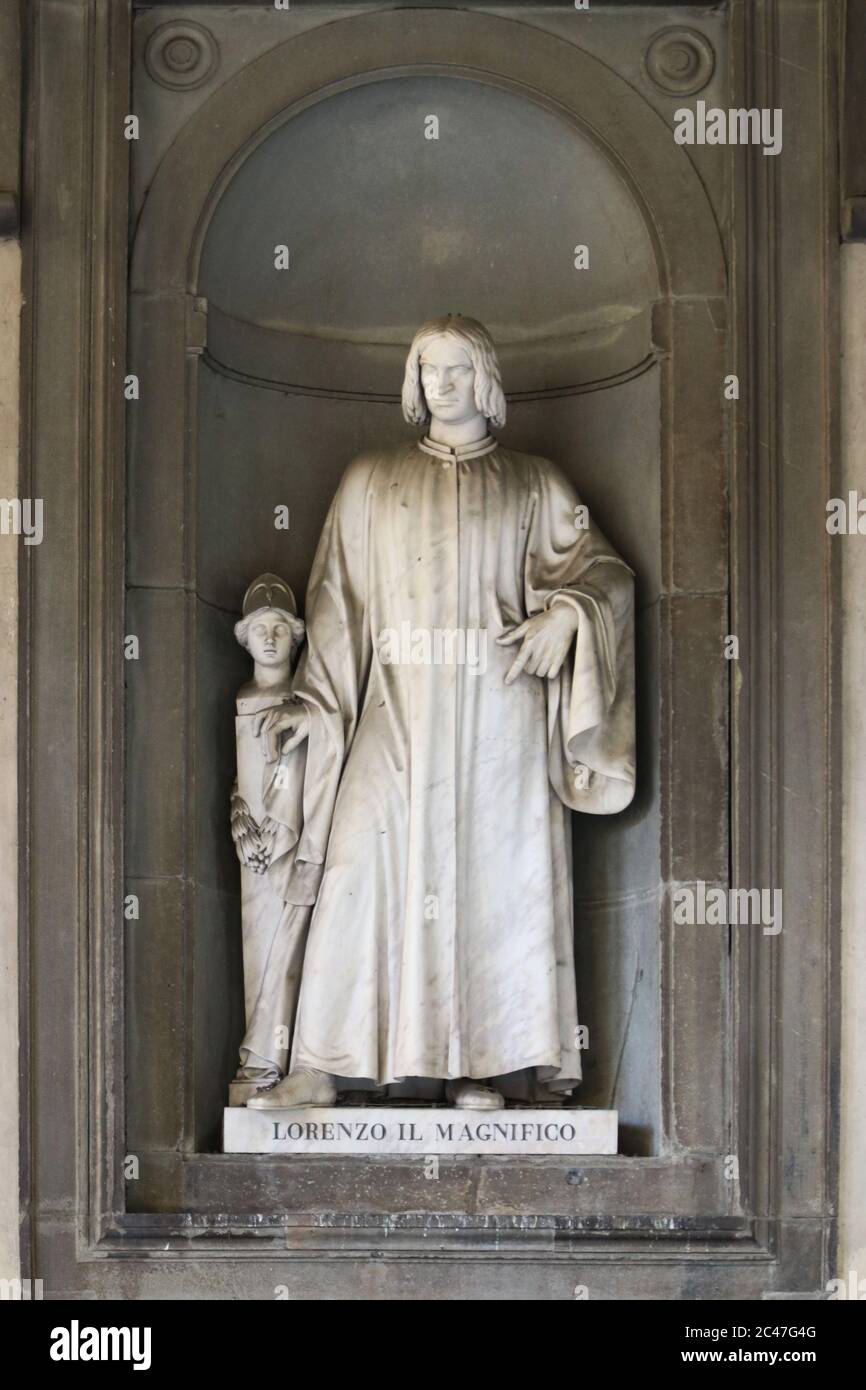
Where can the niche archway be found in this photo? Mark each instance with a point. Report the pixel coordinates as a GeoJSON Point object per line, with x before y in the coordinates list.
{"type": "Point", "coordinates": [200, 452]}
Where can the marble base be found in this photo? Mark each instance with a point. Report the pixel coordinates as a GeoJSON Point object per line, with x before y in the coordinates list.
{"type": "Point", "coordinates": [240, 1091]}
{"type": "Point", "coordinates": [418, 1130]}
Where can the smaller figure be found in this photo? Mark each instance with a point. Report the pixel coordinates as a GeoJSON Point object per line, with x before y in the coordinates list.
{"type": "Point", "coordinates": [265, 837]}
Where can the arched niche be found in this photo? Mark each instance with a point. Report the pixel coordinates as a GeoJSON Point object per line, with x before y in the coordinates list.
{"type": "Point", "coordinates": [250, 394]}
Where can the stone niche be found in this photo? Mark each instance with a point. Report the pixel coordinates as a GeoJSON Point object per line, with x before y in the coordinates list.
{"type": "Point", "coordinates": [551, 207]}
{"type": "Point", "coordinates": [301, 368]}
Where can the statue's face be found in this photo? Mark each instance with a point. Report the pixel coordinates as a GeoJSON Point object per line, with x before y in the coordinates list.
{"type": "Point", "coordinates": [269, 638]}
{"type": "Point", "coordinates": [448, 380]}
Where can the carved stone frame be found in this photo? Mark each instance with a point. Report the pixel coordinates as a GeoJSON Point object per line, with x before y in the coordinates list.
{"type": "Point", "coordinates": [660, 1227]}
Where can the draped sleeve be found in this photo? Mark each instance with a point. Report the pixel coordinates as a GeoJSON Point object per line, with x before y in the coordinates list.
{"type": "Point", "coordinates": [590, 704]}
{"type": "Point", "coordinates": [332, 673]}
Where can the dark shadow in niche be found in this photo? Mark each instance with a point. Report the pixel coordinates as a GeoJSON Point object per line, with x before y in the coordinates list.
{"type": "Point", "coordinates": [303, 371]}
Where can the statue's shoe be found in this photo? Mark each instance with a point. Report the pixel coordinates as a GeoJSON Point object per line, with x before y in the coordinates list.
{"type": "Point", "coordinates": [471, 1095]}
{"type": "Point", "coordinates": [302, 1087]}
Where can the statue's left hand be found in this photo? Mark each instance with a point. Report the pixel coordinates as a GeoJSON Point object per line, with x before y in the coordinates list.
{"type": "Point", "coordinates": [546, 640]}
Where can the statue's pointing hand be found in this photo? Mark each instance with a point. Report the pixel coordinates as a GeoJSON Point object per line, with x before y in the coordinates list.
{"type": "Point", "coordinates": [293, 719]}
{"type": "Point", "coordinates": [545, 642]}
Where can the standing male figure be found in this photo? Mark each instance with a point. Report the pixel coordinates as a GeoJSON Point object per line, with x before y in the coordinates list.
{"type": "Point", "coordinates": [437, 791]}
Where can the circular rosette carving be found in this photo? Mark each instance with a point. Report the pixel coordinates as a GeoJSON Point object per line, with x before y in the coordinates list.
{"type": "Point", "coordinates": [680, 61]}
{"type": "Point", "coordinates": [181, 55]}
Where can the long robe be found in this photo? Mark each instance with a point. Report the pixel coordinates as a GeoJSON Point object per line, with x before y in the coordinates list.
{"type": "Point", "coordinates": [435, 833]}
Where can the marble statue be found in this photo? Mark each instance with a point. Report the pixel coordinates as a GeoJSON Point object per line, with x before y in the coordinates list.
{"type": "Point", "coordinates": [466, 682]}
{"type": "Point", "coordinates": [274, 930]}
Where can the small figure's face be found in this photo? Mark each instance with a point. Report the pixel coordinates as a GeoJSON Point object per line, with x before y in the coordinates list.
{"type": "Point", "coordinates": [270, 639]}
{"type": "Point", "coordinates": [448, 380]}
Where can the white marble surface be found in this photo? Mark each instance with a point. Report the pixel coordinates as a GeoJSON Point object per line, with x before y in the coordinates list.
{"type": "Point", "coordinates": [273, 935]}
{"type": "Point", "coordinates": [419, 1130]}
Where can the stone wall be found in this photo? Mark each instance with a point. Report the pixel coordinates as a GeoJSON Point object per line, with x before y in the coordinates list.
{"type": "Point", "coordinates": [10, 309]}
{"type": "Point", "coordinates": [11, 73]}
{"type": "Point", "coordinates": [852, 1202]}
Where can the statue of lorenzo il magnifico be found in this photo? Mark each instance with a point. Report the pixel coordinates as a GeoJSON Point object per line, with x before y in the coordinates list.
{"type": "Point", "coordinates": [434, 850]}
